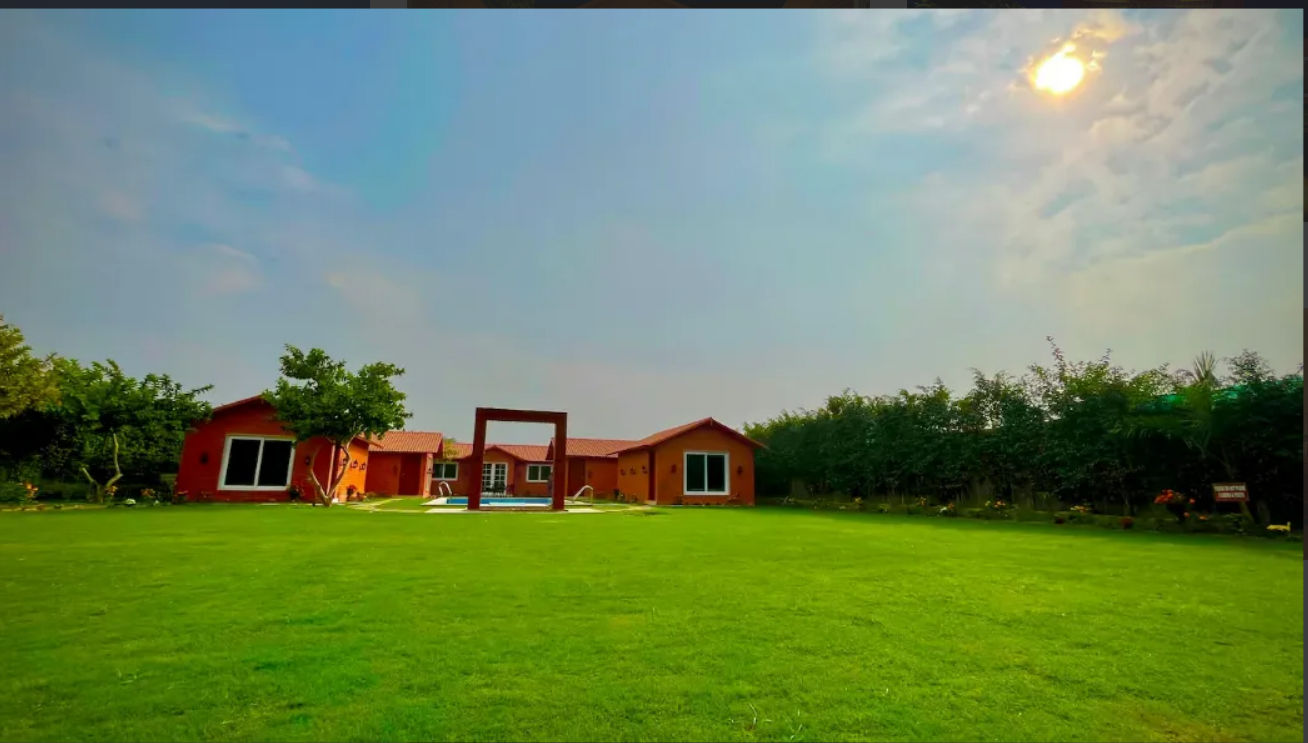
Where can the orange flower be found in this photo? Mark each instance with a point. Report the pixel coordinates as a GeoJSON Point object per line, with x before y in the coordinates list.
{"type": "Point", "coordinates": [1192, 501]}
{"type": "Point", "coordinates": [1187, 514]}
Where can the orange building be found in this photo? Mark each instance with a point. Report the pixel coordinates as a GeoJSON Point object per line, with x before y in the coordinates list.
{"type": "Point", "coordinates": [592, 462]}
{"type": "Point", "coordinates": [401, 462]}
{"type": "Point", "coordinates": [243, 453]}
{"type": "Point", "coordinates": [699, 463]}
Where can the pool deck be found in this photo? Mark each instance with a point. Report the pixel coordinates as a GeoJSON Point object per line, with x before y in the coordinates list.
{"type": "Point", "coordinates": [519, 509]}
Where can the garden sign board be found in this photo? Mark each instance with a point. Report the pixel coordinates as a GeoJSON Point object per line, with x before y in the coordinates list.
{"type": "Point", "coordinates": [1230, 492]}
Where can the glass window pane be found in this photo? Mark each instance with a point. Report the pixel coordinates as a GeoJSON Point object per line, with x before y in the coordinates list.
{"type": "Point", "coordinates": [241, 460]}
{"type": "Point", "coordinates": [717, 473]}
{"type": "Point", "coordinates": [694, 473]}
{"type": "Point", "coordinates": [275, 467]}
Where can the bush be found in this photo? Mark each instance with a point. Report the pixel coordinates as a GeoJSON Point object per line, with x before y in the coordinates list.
{"type": "Point", "coordinates": [1237, 523]}
{"type": "Point", "coordinates": [1061, 517]}
{"type": "Point", "coordinates": [16, 492]}
{"type": "Point", "coordinates": [64, 491]}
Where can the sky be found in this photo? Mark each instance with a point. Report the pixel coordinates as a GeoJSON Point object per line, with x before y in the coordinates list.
{"type": "Point", "coordinates": [646, 218]}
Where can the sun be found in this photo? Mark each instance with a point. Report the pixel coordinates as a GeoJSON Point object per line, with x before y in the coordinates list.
{"type": "Point", "coordinates": [1060, 73]}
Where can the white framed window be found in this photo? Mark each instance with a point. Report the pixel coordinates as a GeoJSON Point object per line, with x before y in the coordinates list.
{"type": "Point", "coordinates": [445, 471]}
{"type": "Point", "coordinates": [257, 462]}
{"type": "Point", "coordinates": [538, 472]}
{"type": "Point", "coordinates": [705, 473]}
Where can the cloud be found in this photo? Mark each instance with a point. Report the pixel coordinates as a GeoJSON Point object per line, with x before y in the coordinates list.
{"type": "Point", "coordinates": [221, 125]}
{"type": "Point", "coordinates": [370, 292]}
{"type": "Point", "coordinates": [227, 270]}
{"type": "Point", "coordinates": [1102, 200]}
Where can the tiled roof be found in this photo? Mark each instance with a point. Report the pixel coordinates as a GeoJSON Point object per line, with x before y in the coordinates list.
{"type": "Point", "coordinates": [592, 447]}
{"type": "Point", "coordinates": [664, 435]}
{"type": "Point", "coordinates": [407, 442]}
{"type": "Point", "coordinates": [525, 452]}
{"type": "Point", "coordinates": [239, 403]}
{"type": "Point", "coordinates": [259, 399]}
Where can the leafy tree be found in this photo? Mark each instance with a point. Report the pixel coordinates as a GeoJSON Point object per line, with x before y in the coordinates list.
{"type": "Point", "coordinates": [317, 397]}
{"type": "Point", "coordinates": [108, 425]}
{"type": "Point", "coordinates": [26, 381]}
{"type": "Point", "coordinates": [1084, 431]}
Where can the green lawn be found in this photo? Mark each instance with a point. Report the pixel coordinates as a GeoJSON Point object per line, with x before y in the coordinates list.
{"type": "Point", "coordinates": [294, 623]}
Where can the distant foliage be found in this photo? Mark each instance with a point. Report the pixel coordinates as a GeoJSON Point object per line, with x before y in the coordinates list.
{"type": "Point", "coordinates": [1063, 433]}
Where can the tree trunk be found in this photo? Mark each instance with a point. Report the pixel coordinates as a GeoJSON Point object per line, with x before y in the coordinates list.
{"type": "Point", "coordinates": [100, 490]}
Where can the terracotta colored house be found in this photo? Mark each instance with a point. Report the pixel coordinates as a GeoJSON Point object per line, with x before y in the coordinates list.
{"type": "Point", "coordinates": [243, 453]}
{"type": "Point", "coordinates": [592, 462]}
{"type": "Point", "coordinates": [400, 462]}
{"type": "Point", "coordinates": [699, 463]}
{"type": "Point", "coordinates": [517, 469]}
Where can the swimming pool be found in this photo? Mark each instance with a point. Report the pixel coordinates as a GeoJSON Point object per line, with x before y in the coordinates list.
{"type": "Point", "coordinates": [460, 500]}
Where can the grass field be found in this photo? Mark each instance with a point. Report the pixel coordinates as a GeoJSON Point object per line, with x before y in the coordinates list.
{"type": "Point", "coordinates": [292, 623]}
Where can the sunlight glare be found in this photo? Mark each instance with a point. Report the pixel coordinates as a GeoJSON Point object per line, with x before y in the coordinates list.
{"type": "Point", "coordinates": [1060, 73]}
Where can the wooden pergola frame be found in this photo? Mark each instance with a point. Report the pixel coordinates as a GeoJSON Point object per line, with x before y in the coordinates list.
{"type": "Point", "coordinates": [559, 472]}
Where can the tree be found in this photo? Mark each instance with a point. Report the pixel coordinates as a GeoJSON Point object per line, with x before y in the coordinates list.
{"type": "Point", "coordinates": [316, 397]}
{"type": "Point", "coordinates": [108, 425]}
{"type": "Point", "coordinates": [26, 381]}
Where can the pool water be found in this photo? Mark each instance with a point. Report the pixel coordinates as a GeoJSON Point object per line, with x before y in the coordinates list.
{"type": "Point", "coordinates": [492, 502]}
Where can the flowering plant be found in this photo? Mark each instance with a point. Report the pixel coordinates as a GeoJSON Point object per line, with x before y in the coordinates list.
{"type": "Point", "coordinates": [1083, 509]}
{"type": "Point", "coordinates": [947, 510]}
{"type": "Point", "coordinates": [997, 505]}
{"type": "Point", "coordinates": [30, 490]}
{"type": "Point", "coordinates": [922, 502]}
{"type": "Point", "coordinates": [1176, 503]}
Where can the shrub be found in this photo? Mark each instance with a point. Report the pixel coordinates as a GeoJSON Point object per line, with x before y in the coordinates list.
{"type": "Point", "coordinates": [1127, 522]}
{"type": "Point", "coordinates": [1176, 503]}
{"type": "Point", "coordinates": [947, 510]}
{"type": "Point", "coordinates": [15, 492]}
{"type": "Point", "coordinates": [1237, 523]}
{"type": "Point", "coordinates": [974, 513]}
{"type": "Point", "coordinates": [1061, 517]}
{"type": "Point", "coordinates": [65, 491]}
{"type": "Point", "coordinates": [883, 508]}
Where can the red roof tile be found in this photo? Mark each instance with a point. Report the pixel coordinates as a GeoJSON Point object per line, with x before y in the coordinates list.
{"type": "Point", "coordinates": [600, 448]}
{"type": "Point", "coordinates": [664, 435]}
{"type": "Point", "coordinates": [259, 399]}
{"type": "Point", "coordinates": [239, 403]}
{"type": "Point", "coordinates": [525, 452]}
{"type": "Point", "coordinates": [408, 442]}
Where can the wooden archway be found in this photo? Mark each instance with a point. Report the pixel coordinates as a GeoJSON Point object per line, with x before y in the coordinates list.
{"type": "Point", "coordinates": [559, 472]}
